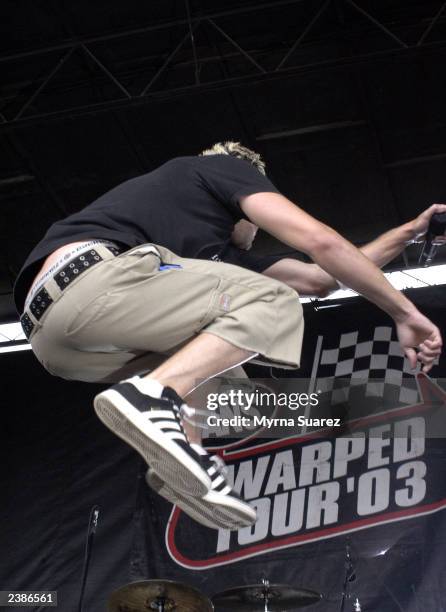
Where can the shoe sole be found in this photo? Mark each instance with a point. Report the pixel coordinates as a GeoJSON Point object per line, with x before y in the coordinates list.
{"type": "Point", "coordinates": [168, 459]}
{"type": "Point", "coordinates": [209, 510]}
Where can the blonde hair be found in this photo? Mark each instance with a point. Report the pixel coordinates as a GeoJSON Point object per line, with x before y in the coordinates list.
{"type": "Point", "coordinates": [236, 150]}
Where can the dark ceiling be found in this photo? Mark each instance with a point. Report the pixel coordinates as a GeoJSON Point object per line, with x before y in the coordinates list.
{"type": "Point", "coordinates": [345, 99]}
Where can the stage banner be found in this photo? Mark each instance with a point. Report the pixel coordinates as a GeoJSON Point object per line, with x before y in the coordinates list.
{"type": "Point", "coordinates": [344, 459]}
{"type": "Point", "coordinates": [346, 466]}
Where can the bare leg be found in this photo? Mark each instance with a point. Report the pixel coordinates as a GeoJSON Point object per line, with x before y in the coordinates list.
{"type": "Point", "coordinates": [197, 399]}
{"type": "Point", "coordinates": [203, 357]}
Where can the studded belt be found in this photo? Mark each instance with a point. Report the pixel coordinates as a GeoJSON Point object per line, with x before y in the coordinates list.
{"type": "Point", "coordinates": [62, 279]}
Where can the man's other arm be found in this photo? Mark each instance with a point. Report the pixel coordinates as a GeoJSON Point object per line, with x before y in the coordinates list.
{"type": "Point", "coordinates": [293, 226]}
{"type": "Point", "coordinates": [310, 279]}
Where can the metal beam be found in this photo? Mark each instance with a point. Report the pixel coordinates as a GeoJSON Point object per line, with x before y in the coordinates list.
{"type": "Point", "coordinates": [192, 40]}
{"type": "Point", "coordinates": [192, 23]}
{"type": "Point", "coordinates": [311, 129]}
{"type": "Point", "coordinates": [411, 161]}
{"type": "Point", "coordinates": [313, 21]}
{"type": "Point", "coordinates": [237, 46]}
{"type": "Point", "coordinates": [86, 40]}
{"type": "Point", "coordinates": [227, 83]}
{"type": "Point", "coordinates": [45, 82]}
{"type": "Point", "coordinates": [105, 70]}
{"type": "Point", "coordinates": [378, 24]}
{"type": "Point", "coordinates": [431, 25]}
{"type": "Point", "coordinates": [168, 60]}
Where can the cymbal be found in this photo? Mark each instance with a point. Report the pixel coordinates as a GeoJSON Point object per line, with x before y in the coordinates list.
{"type": "Point", "coordinates": [146, 595]}
{"type": "Point", "coordinates": [252, 598]}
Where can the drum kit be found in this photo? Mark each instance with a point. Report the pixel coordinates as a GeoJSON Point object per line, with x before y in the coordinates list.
{"type": "Point", "coordinates": [169, 596]}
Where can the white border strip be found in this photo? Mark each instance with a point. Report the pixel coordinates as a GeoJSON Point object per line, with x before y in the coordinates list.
{"type": "Point", "coordinates": [13, 349]}
{"type": "Point", "coordinates": [412, 278]}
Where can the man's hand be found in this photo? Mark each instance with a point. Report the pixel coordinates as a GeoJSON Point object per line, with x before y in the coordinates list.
{"type": "Point", "coordinates": [243, 234]}
{"type": "Point", "coordinates": [417, 333]}
{"type": "Point", "coordinates": [418, 226]}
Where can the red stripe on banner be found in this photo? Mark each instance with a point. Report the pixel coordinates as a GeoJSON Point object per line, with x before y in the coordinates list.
{"type": "Point", "coordinates": [286, 542]}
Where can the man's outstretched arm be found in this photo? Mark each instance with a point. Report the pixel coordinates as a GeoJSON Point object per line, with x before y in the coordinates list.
{"type": "Point", "coordinates": [281, 218]}
{"type": "Point", "coordinates": [310, 279]}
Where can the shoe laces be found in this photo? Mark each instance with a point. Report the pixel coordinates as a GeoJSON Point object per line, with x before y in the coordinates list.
{"type": "Point", "coordinates": [187, 413]}
{"type": "Point", "coordinates": [220, 465]}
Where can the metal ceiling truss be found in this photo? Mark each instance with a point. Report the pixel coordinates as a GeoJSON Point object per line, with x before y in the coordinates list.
{"type": "Point", "coordinates": [192, 24]}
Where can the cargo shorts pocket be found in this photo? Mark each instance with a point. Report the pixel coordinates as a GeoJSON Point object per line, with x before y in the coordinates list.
{"type": "Point", "coordinates": [89, 314]}
{"type": "Point", "coordinates": [218, 305]}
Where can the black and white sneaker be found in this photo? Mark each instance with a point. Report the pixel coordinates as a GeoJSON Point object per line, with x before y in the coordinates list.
{"type": "Point", "coordinates": [146, 415]}
{"type": "Point", "coordinates": [220, 508]}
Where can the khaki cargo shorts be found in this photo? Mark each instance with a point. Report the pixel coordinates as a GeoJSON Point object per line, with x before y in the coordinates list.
{"type": "Point", "coordinates": [126, 315]}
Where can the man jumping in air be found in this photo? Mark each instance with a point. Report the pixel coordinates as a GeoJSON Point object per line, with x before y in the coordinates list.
{"type": "Point", "coordinates": [130, 285]}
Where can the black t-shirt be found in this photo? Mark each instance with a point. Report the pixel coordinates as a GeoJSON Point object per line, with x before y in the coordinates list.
{"type": "Point", "coordinates": [189, 205]}
{"type": "Point", "coordinates": [251, 260]}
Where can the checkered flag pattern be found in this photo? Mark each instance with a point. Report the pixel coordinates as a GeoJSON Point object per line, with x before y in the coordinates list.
{"type": "Point", "coordinates": [373, 367]}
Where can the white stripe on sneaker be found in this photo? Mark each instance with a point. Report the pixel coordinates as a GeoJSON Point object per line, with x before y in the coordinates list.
{"type": "Point", "coordinates": [214, 510]}
{"type": "Point", "coordinates": [167, 425]}
{"type": "Point", "coordinates": [160, 414]}
{"type": "Point", "coordinates": [123, 409]}
{"type": "Point", "coordinates": [175, 435]}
